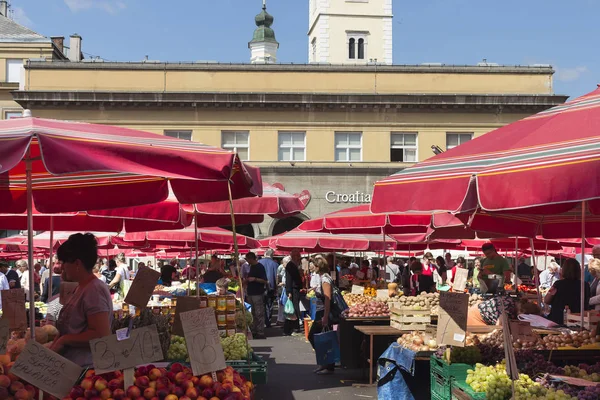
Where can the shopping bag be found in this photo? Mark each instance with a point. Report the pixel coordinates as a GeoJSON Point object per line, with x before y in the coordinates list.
{"type": "Point", "coordinates": [327, 348]}
{"type": "Point", "coordinates": [283, 298]}
{"type": "Point", "coordinates": [290, 311]}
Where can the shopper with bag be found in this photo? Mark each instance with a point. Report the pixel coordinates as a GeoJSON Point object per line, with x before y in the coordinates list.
{"type": "Point", "coordinates": [321, 337]}
{"type": "Point", "coordinates": [293, 284]}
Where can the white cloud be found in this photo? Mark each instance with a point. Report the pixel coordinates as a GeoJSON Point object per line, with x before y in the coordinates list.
{"type": "Point", "coordinates": [110, 6]}
{"type": "Point", "coordinates": [570, 74]}
{"type": "Point", "coordinates": [18, 14]}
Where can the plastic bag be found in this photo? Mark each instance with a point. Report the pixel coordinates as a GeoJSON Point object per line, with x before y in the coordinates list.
{"type": "Point", "coordinates": [327, 348]}
{"type": "Point", "coordinates": [290, 311]}
{"type": "Point", "coordinates": [283, 298]}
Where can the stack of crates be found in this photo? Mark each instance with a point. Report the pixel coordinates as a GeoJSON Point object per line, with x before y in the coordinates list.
{"type": "Point", "coordinates": [444, 375]}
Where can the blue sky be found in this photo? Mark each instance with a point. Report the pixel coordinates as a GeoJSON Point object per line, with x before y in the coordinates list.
{"type": "Point", "coordinates": [563, 34]}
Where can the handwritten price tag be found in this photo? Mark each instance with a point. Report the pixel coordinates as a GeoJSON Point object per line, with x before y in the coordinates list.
{"type": "Point", "coordinates": [46, 370]}
{"type": "Point", "coordinates": [460, 279]}
{"type": "Point", "coordinates": [142, 287]}
{"type": "Point", "coordinates": [358, 289]}
{"type": "Point", "coordinates": [13, 308]}
{"type": "Point", "coordinates": [202, 340]}
{"type": "Point", "coordinates": [110, 354]}
{"type": "Point", "coordinates": [452, 321]}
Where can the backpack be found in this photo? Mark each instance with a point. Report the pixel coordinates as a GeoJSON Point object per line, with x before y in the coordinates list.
{"type": "Point", "coordinates": [109, 276]}
{"type": "Point", "coordinates": [338, 305]}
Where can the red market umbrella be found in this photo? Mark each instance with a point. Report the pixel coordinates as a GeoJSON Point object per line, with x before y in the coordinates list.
{"type": "Point", "coordinates": [208, 238]}
{"type": "Point", "coordinates": [544, 164]}
{"type": "Point", "coordinates": [275, 202]}
{"type": "Point", "coordinates": [320, 241]}
{"type": "Point", "coordinates": [63, 166]}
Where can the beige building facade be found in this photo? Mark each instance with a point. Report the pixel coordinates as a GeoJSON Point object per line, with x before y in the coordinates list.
{"type": "Point", "coordinates": [332, 129]}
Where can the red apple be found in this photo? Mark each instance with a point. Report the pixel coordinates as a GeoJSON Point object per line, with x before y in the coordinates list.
{"type": "Point", "coordinates": [154, 374]}
{"type": "Point", "coordinates": [176, 367]}
{"type": "Point", "coordinates": [177, 391]}
{"type": "Point", "coordinates": [149, 393]}
{"type": "Point", "coordinates": [115, 384]}
{"type": "Point", "coordinates": [118, 394]}
{"type": "Point", "coordinates": [206, 381]}
{"type": "Point", "coordinates": [100, 384]}
{"type": "Point", "coordinates": [4, 381]}
{"type": "Point", "coordinates": [171, 397]}
{"type": "Point", "coordinates": [133, 392]}
{"type": "Point", "coordinates": [87, 384]}
{"type": "Point", "coordinates": [142, 382]}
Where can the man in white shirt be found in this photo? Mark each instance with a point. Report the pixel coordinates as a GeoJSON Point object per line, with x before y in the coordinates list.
{"type": "Point", "coordinates": [392, 271]}
{"type": "Point", "coordinates": [23, 271]}
{"type": "Point", "coordinates": [3, 280]}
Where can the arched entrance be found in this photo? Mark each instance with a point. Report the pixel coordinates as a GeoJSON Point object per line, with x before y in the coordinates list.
{"type": "Point", "coordinates": [246, 230]}
{"type": "Point", "coordinates": [286, 224]}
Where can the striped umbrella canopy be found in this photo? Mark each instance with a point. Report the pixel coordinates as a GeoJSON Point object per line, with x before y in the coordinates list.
{"type": "Point", "coordinates": [78, 166]}
{"type": "Point", "coordinates": [544, 164]}
{"type": "Point", "coordinates": [208, 238]}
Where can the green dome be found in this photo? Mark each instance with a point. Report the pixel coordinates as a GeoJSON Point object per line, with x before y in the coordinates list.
{"type": "Point", "coordinates": [263, 32]}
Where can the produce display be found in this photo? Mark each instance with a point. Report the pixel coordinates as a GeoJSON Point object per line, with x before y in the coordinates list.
{"type": "Point", "coordinates": [11, 387]}
{"type": "Point", "coordinates": [370, 292]}
{"type": "Point", "coordinates": [549, 342]}
{"type": "Point", "coordinates": [374, 308]}
{"type": "Point", "coordinates": [354, 299]}
{"type": "Point", "coordinates": [417, 341]}
{"type": "Point", "coordinates": [497, 385]}
{"type": "Point", "coordinates": [177, 349]}
{"type": "Point", "coordinates": [424, 301]}
{"type": "Point", "coordinates": [178, 383]}
{"type": "Point", "coordinates": [236, 347]}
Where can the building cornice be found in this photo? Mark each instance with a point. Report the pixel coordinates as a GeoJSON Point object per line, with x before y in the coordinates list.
{"type": "Point", "coordinates": [317, 68]}
{"type": "Point", "coordinates": [355, 102]}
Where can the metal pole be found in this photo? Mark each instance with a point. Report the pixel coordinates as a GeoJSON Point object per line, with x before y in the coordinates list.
{"type": "Point", "coordinates": [582, 304]}
{"type": "Point", "coordinates": [51, 266]}
{"type": "Point", "coordinates": [537, 274]}
{"type": "Point", "coordinates": [516, 265]}
{"type": "Point", "coordinates": [28, 171]}
{"type": "Point", "coordinates": [196, 260]}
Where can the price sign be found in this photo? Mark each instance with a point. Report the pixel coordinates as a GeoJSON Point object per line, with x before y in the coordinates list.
{"type": "Point", "coordinates": [184, 303]}
{"type": "Point", "coordinates": [383, 294]}
{"type": "Point", "coordinates": [13, 308]}
{"type": "Point", "coordinates": [142, 347]}
{"type": "Point", "coordinates": [46, 370]}
{"type": "Point", "coordinates": [460, 279]}
{"type": "Point", "coordinates": [142, 287]}
{"type": "Point", "coordinates": [67, 289]}
{"type": "Point", "coordinates": [202, 340]}
{"type": "Point", "coordinates": [452, 320]}
{"type": "Point", "coordinates": [358, 289]}
{"type": "Point", "coordinates": [522, 330]}
{"type": "Point", "coordinates": [4, 334]}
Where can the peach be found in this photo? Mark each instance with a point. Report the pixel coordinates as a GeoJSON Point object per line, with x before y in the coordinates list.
{"type": "Point", "coordinates": [5, 381]}
{"type": "Point", "coordinates": [89, 393]}
{"type": "Point", "coordinates": [187, 384]}
{"type": "Point", "coordinates": [154, 374]}
{"type": "Point", "coordinates": [4, 393]}
{"type": "Point", "coordinates": [171, 397]}
{"type": "Point", "coordinates": [22, 394]}
{"type": "Point", "coordinates": [177, 391]}
{"type": "Point", "coordinates": [176, 367]}
{"type": "Point", "coordinates": [162, 393]}
{"type": "Point", "coordinates": [106, 394]}
{"type": "Point", "coordinates": [206, 381]}
{"type": "Point", "coordinates": [180, 377]}
{"type": "Point", "coordinates": [192, 393]}
{"type": "Point", "coordinates": [133, 392]}
{"type": "Point", "coordinates": [149, 393]}
{"type": "Point", "coordinates": [115, 384]}
{"type": "Point", "coordinates": [15, 386]}
{"type": "Point", "coordinates": [142, 382]}
{"type": "Point", "coordinates": [118, 394]}
{"type": "Point", "coordinates": [89, 373]}
{"type": "Point", "coordinates": [100, 384]}
{"type": "Point", "coordinates": [184, 398]}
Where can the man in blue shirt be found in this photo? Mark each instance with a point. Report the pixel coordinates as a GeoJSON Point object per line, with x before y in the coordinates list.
{"type": "Point", "coordinates": [271, 270]}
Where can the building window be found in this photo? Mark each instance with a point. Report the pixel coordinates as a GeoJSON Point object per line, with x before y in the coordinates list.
{"type": "Point", "coordinates": [348, 146]}
{"type": "Point", "coordinates": [292, 146]}
{"type": "Point", "coordinates": [357, 45]}
{"type": "Point", "coordinates": [456, 139]}
{"type": "Point", "coordinates": [13, 70]}
{"type": "Point", "coordinates": [361, 49]}
{"type": "Point", "coordinates": [12, 114]}
{"type": "Point", "coordinates": [403, 147]}
{"type": "Point", "coordinates": [313, 49]}
{"type": "Point", "coordinates": [351, 48]}
{"type": "Point", "coordinates": [185, 135]}
{"type": "Point", "coordinates": [237, 141]}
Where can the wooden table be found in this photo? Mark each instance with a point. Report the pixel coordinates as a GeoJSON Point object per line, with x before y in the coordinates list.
{"type": "Point", "coordinates": [376, 331]}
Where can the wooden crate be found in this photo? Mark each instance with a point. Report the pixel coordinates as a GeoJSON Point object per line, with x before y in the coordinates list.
{"type": "Point", "coordinates": [409, 320]}
{"type": "Point", "coordinates": [590, 319]}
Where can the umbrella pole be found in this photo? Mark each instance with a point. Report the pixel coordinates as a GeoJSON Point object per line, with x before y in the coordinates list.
{"type": "Point", "coordinates": [196, 259]}
{"type": "Point", "coordinates": [537, 274]}
{"type": "Point", "coordinates": [51, 266]}
{"type": "Point", "coordinates": [30, 242]}
{"type": "Point", "coordinates": [582, 305]}
{"type": "Point", "coordinates": [237, 266]}
{"type": "Point", "coordinates": [516, 265]}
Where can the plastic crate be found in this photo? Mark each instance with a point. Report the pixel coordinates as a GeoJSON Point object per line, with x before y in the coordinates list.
{"type": "Point", "coordinates": [441, 387]}
{"type": "Point", "coordinates": [455, 371]}
{"type": "Point", "coordinates": [465, 388]}
{"type": "Point", "coordinates": [256, 371]}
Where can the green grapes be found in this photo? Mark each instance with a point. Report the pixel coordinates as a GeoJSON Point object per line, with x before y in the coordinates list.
{"type": "Point", "coordinates": [235, 347]}
{"type": "Point", "coordinates": [177, 348]}
{"type": "Point", "coordinates": [497, 385]}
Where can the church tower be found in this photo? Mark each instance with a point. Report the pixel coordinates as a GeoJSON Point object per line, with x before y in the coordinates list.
{"type": "Point", "coordinates": [350, 31]}
{"type": "Point", "coordinates": [263, 46]}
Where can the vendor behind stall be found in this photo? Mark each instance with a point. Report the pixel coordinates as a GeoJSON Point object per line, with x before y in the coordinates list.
{"type": "Point", "coordinates": [88, 313]}
{"type": "Point", "coordinates": [488, 312]}
{"type": "Point", "coordinates": [567, 292]}
{"type": "Point", "coordinates": [493, 264]}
